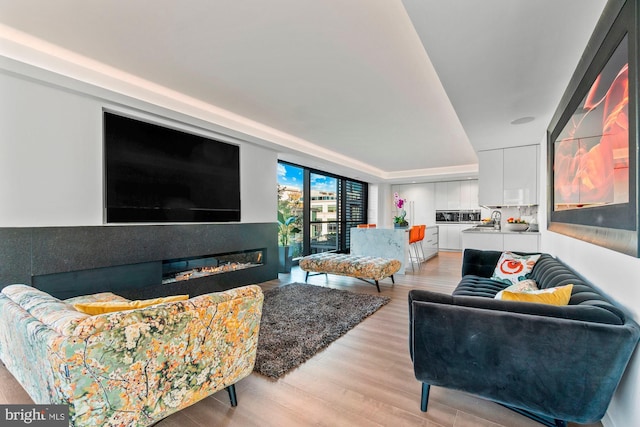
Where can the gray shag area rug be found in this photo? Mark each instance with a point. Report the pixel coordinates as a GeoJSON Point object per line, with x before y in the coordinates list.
{"type": "Point", "coordinates": [298, 320]}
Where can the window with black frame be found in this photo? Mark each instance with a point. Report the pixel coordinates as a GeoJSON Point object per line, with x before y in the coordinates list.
{"type": "Point", "coordinates": [355, 211]}
{"type": "Point", "coordinates": [324, 208]}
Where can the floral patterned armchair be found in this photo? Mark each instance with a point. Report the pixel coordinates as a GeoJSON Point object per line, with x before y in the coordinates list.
{"type": "Point", "coordinates": [129, 367]}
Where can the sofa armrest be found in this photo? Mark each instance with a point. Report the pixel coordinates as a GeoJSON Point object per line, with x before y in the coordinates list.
{"type": "Point", "coordinates": [563, 368]}
{"type": "Point", "coordinates": [24, 349]}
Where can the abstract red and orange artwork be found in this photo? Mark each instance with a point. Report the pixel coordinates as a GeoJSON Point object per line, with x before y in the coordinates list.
{"type": "Point", "coordinates": [591, 166]}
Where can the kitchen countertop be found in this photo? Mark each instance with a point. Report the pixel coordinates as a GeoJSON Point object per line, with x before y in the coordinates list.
{"type": "Point", "coordinates": [458, 222]}
{"type": "Point", "coordinates": [488, 230]}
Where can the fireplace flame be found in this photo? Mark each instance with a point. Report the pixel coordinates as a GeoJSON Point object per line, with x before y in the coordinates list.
{"type": "Point", "coordinates": [208, 271]}
{"type": "Point", "coordinates": [202, 266]}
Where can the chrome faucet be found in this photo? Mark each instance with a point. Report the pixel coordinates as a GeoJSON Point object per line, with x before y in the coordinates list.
{"type": "Point", "coordinates": [496, 217]}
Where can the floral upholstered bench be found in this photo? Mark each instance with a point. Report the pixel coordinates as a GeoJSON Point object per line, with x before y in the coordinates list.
{"type": "Point", "coordinates": [367, 268]}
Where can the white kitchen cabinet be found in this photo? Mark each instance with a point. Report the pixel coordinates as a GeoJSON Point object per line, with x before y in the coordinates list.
{"type": "Point", "coordinates": [442, 196]}
{"type": "Point", "coordinates": [484, 241]}
{"type": "Point", "coordinates": [509, 176]}
{"type": "Point", "coordinates": [519, 242]}
{"type": "Point", "coordinates": [430, 244]}
{"type": "Point", "coordinates": [443, 236]}
{"type": "Point", "coordinates": [451, 236]}
{"type": "Point", "coordinates": [457, 195]}
{"type": "Point", "coordinates": [453, 195]}
{"type": "Point", "coordinates": [469, 195]}
{"type": "Point", "coordinates": [522, 242]}
{"type": "Point", "coordinates": [420, 202]}
{"type": "Point", "coordinates": [520, 185]}
{"type": "Point", "coordinates": [458, 241]}
{"type": "Point", "coordinates": [490, 177]}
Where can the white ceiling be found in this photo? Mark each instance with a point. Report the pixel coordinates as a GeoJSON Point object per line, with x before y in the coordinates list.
{"type": "Point", "coordinates": [342, 85]}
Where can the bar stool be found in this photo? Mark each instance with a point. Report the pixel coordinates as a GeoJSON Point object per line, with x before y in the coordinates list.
{"type": "Point", "coordinates": [423, 229]}
{"type": "Point", "coordinates": [414, 237]}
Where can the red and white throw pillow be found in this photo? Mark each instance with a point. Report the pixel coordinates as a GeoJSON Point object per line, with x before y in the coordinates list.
{"type": "Point", "coordinates": [512, 268]}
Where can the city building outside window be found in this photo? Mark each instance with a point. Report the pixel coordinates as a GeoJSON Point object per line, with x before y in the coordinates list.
{"type": "Point", "coordinates": [325, 208]}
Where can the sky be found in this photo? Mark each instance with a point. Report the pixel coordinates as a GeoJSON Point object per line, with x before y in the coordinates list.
{"type": "Point", "coordinates": [292, 176]}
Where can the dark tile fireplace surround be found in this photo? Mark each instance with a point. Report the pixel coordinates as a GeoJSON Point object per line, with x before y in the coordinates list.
{"type": "Point", "coordinates": [128, 259]}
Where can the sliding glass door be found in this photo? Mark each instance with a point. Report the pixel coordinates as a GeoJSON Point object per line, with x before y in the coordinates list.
{"type": "Point", "coordinates": [324, 207]}
{"type": "Point", "coordinates": [291, 206]}
{"type": "Point", "coordinates": [323, 221]}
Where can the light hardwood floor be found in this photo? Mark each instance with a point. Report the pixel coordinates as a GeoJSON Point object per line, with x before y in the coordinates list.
{"type": "Point", "coordinates": [364, 378]}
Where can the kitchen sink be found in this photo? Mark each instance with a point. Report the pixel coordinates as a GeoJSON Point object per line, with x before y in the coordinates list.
{"type": "Point", "coordinates": [484, 229]}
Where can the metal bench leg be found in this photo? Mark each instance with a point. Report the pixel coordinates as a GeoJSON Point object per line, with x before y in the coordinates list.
{"type": "Point", "coordinates": [424, 399]}
{"type": "Point", "coordinates": [232, 395]}
{"type": "Point", "coordinates": [306, 277]}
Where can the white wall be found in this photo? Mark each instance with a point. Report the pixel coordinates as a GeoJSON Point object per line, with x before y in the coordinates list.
{"type": "Point", "coordinates": [50, 156]}
{"type": "Point", "coordinates": [618, 276]}
{"type": "Point", "coordinates": [51, 164]}
{"type": "Point", "coordinates": [258, 184]}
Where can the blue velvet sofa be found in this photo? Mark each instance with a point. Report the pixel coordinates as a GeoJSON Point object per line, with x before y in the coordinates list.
{"type": "Point", "coordinates": [556, 364]}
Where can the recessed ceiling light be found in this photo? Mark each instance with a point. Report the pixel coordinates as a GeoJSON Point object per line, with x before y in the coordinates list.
{"type": "Point", "coordinates": [523, 120]}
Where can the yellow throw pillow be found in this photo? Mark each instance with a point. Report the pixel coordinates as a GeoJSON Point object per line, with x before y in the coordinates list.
{"type": "Point", "coordinates": [554, 296]}
{"type": "Point", "coordinates": [527, 285]}
{"type": "Point", "coordinates": [110, 306]}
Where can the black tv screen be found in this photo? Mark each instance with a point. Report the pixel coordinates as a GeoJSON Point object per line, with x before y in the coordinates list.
{"type": "Point", "coordinates": [158, 174]}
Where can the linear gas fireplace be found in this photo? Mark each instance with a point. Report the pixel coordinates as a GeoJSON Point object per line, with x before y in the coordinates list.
{"type": "Point", "coordinates": [178, 270]}
{"type": "Point", "coordinates": [137, 261]}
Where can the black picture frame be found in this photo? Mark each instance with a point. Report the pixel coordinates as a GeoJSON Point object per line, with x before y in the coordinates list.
{"type": "Point", "coordinates": [614, 226]}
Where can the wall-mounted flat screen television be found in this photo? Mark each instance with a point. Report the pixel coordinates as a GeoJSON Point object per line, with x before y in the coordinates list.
{"type": "Point", "coordinates": [156, 174]}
